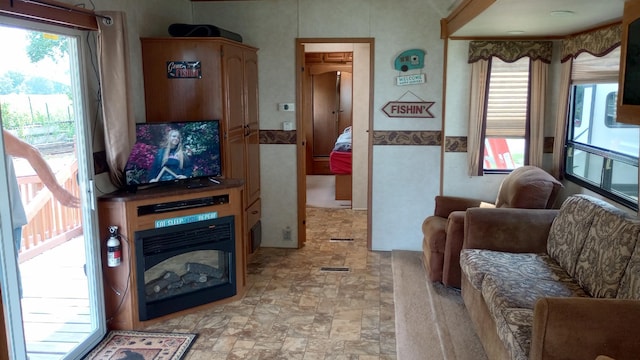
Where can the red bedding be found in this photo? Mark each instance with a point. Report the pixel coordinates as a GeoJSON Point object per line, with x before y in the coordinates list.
{"type": "Point", "coordinates": [340, 162]}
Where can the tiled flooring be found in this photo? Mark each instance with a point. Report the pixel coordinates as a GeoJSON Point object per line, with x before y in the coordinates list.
{"type": "Point", "coordinates": [296, 310]}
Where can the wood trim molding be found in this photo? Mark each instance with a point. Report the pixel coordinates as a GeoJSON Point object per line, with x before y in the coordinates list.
{"type": "Point", "coordinates": [461, 15]}
{"type": "Point", "coordinates": [50, 12]}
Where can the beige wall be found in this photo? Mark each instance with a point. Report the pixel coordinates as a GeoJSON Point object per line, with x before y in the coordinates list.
{"type": "Point", "coordinates": [404, 178]}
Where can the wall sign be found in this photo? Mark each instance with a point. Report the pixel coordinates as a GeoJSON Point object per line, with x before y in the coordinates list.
{"type": "Point", "coordinates": [412, 59]}
{"type": "Point", "coordinates": [411, 79]}
{"type": "Point", "coordinates": [408, 109]}
{"type": "Point", "coordinates": [184, 70]}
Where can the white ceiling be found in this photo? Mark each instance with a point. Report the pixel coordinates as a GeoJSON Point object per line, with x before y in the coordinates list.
{"type": "Point", "coordinates": [535, 19]}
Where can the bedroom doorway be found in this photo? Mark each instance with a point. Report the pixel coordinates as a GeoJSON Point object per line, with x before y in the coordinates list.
{"type": "Point", "coordinates": [344, 66]}
{"type": "Point", "coordinates": [329, 85]}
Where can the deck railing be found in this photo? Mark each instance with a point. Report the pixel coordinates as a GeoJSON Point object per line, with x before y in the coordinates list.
{"type": "Point", "coordinates": [50, 223]}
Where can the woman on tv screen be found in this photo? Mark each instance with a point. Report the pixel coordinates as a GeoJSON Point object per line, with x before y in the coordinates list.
{"type": "Point", "coordinates": [172, 161]}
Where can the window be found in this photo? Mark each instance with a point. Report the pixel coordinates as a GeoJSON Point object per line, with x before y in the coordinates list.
{"type": "Point", "coordinates": [506, 118]}
{"type": "Point", "coordinates": [602, 154]}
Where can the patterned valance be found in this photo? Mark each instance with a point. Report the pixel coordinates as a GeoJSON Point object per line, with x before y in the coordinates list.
{"type": "Point", "coordinates": [510, 51]}
{"type": "Point", "coordinates": [597, 43]}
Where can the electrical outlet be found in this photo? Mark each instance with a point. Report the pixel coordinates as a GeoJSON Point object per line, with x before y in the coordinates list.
{"type": "Point", "coordinates": [286, 107]}
{"type": "Point", "coordinates": [286, 234]}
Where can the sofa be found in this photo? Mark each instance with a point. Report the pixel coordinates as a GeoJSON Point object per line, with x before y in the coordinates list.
{"type": "Point", "coordinates": [553, 284]}
{"type": "Point", "coordinates": [525, 187]}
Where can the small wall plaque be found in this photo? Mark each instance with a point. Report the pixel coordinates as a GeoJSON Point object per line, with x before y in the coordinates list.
{"type": "Point", "coordinates": [184, 70]}
{"type": "Point", "coordinates": [411, 79]}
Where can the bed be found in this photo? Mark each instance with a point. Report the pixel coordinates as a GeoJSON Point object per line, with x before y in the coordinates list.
{"type": "Point", "coordinates": [340, 165]}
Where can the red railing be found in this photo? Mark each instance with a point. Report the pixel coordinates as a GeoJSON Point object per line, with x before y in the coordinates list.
{"type": "Point", "coordinates": [50, 223]}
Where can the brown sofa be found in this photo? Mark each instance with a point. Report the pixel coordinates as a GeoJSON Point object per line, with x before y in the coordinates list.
{"type": "Point", "coordinates": [525, 187]}
{"type": "Point", "coordinates": [554, 284]}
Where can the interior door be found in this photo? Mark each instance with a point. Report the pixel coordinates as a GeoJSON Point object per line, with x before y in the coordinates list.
{"type": "Point", "coordinates": [331, 103]}
{"type": "Point", "coordinates": [52, 291]}
{"type": "Point", "coordinates": [325, 119]}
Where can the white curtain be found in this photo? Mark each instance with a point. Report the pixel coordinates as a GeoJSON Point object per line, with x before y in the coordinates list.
{"type": "Point", "coordinates": [561, 120]}
{"type": "Point", "coordinates": [477, 106]}
{"type": "Point", "coordinates": [538, 86]}
{"type": "Point", "coordinates": [119, 125]}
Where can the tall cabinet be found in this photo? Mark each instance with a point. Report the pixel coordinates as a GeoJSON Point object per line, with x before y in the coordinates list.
{"type": "Point", "coordinates": [199, 78]}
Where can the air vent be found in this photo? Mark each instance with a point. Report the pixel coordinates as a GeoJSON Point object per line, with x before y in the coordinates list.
{"type": "Point", "coordinates": [334, 269]}
{"type": "Point", "coordinates": [340, 239]}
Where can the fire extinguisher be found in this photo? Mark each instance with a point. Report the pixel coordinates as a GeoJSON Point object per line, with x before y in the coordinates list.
{"type": "Point", "coordinates": [114, 250]}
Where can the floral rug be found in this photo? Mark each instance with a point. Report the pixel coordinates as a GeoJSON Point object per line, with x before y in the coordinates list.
{"type": "Point", "coordinates": [138, 345]}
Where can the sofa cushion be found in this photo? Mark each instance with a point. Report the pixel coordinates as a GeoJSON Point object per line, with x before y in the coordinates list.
{"type": "Point", "coordinates": [630, 283]}
{"type": "Point", "coordinates": [567, 233]}
{"type": "Point", "coordinates": [607, 249]}
{"type": "Point", "coordinates": [478, 263]}
{"type": "Point", "coordinates": [511, 300]}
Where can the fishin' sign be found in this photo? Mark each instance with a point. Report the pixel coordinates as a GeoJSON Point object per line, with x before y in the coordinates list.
{"type": "Point", "coordinates": [408, 109]}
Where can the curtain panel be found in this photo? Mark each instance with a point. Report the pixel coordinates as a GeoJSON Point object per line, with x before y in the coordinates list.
{"type": "Point", "coordinates": [477, 106]}
{"type": "Point", "coordinates": [597, 43]}
{"type": "Point", "coordinates": [510, 51]}
{"type": "Point", "coordinates": [119, 125]}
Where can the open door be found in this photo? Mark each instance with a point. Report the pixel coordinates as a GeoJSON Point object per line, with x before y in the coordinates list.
{"type": "Point", "coordinates": [51, 280]}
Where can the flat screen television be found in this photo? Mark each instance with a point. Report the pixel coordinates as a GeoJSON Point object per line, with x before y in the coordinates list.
{"type": "Point", "coordinates": [172, 152]}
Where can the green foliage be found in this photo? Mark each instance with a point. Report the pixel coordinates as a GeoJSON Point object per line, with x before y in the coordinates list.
{"type": "Point", "coordinates": [39, 124]}
{"type": "Point", "coordinates": [42, 45]}
{"type": "Point", "coordinates": [12, 82]}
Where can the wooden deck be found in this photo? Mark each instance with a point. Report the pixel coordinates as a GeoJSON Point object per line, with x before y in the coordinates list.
{"type": "Point", "coordinates": [55, 303]}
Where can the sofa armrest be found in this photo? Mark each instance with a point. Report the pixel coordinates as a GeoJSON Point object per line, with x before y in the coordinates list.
{"type": "Point", "coordinates": [508, 229]}
{"type": "Point", "coordinates": [584, 328]}
{"type": "Point", "coordinates": [451, 271]}
{"type": "Point", "coordinates": [445, 205]}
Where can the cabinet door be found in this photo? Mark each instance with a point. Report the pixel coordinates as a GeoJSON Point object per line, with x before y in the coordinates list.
{"type": "Point", "coordinates": [233, 70]}
{"type": "Point", "coordinates": [233, 73]}
{"type": "Point", "coordinates": [629, 89]}
{"type": "Point", "coordinates": [168, 98]}
{"type": "Point", "coordinates": [252, 123]}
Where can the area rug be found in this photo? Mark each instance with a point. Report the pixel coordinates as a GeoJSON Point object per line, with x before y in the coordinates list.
{"type": "Point", "coordinates": [138, 345]}
{"type": "Point", "coordinates": [431, 319]}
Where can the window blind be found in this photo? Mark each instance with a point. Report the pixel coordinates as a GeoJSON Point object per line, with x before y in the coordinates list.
{"type": "Point", "coordinates": [590, 69]}
{"type": "Point", "coordinates": [507, 103]}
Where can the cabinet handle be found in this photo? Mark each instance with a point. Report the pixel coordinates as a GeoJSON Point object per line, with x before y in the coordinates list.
{"type": "Point", "coordinates": [254, 212]}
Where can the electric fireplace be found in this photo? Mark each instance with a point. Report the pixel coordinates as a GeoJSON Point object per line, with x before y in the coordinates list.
{"type": "Point", "coordinates": [183, 266]}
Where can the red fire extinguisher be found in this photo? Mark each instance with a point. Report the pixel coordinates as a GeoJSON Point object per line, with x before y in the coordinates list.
{"type": "Point", "coordinates": [114, 251]}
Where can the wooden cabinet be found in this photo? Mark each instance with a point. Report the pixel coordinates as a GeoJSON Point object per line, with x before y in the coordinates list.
{"type": "Point", "coordinates": [124, 210]}
{"type": "Point", "coordinates": [629, 82]}
{"type": "Point", "coordinates": [226, 89]}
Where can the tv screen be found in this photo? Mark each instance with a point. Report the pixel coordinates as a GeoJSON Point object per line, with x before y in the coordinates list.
{"type": "Point", "coordinates": [175, 151]}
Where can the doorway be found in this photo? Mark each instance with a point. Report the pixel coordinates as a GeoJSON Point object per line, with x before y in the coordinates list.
{"type": "Point", "coordinates": [51, 291]}
{"type": "Point", "coordinates": [360, 77]}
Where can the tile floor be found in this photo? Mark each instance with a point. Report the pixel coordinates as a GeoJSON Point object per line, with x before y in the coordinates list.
{"type": "Point", "coordinates": [294, 309]}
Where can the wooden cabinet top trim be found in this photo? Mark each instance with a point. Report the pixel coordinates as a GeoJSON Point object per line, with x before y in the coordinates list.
{"type": "Point", "coordinates": [200, 39]}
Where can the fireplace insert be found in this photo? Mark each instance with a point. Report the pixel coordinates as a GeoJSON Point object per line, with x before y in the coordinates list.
{"type": "Point", "coordinates": [183, 266]}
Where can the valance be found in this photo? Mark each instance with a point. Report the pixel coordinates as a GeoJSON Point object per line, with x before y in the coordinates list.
{"type": "Point", "coordinates": [510, 51]}
{"type": "Point", "coordinates": [597, 43]}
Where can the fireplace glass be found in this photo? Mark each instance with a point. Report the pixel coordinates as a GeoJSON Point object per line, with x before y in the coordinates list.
{"type": "Point", "coordinates": [183, 266]}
